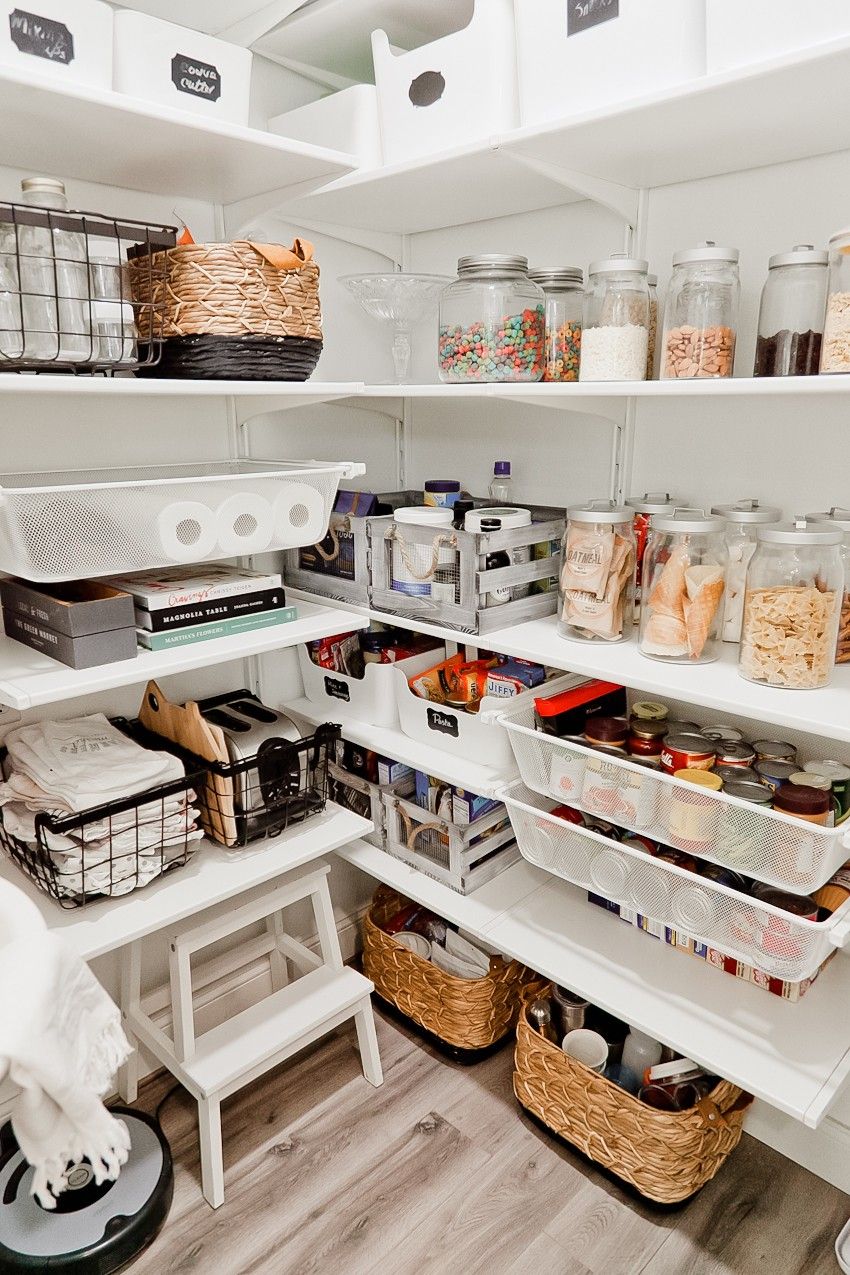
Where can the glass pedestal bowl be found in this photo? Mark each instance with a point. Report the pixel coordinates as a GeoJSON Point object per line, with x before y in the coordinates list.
{"type": "Point", "coordinates": [401, 300]}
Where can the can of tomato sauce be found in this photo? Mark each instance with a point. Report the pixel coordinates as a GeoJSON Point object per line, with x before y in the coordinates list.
{"type": "Point", "coordinates": [687, 752]}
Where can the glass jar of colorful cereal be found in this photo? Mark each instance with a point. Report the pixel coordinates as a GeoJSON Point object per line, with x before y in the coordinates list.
{"type": "Point", "coordinates": [492, 322]}
{"type": "Point", "coordinates": [564, 289]}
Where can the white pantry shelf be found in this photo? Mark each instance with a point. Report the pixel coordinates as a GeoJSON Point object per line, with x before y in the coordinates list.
{"type": "Point", "coordinates": [29, 679]}
{"type": "Point", "coordinates": [795, 1057]}
{"type": "Point", "coordinates": [212, 875]}
{"type": "Point", "coordinates": [282, 395]}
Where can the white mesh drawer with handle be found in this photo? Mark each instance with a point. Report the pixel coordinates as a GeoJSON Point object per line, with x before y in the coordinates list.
{"type": "Point", "coordinates": [757, 933]}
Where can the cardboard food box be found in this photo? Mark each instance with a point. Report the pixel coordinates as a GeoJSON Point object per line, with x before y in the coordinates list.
{"type": "Point", "coordinates": [81, 623]}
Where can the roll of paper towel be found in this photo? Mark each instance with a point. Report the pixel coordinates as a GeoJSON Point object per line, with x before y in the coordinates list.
{"type": "Point", "coordinates": [187, 531]}
{"type": "Point", "coordinates": [300, 517]}
{"type": "Point", "coordinates": [245, 524]}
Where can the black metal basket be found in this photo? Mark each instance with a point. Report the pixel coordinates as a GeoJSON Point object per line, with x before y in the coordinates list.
{"type": "Point", "coordinates": [103, 866]}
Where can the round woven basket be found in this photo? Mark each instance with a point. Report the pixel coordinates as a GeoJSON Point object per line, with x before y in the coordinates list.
{"type": "Point", "coordinates": [666, 1156]}
{"type": "Point", "coordinates": [464, 1013]}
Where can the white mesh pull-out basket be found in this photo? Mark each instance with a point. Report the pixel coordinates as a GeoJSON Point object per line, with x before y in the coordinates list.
{"type": "Point", "coordinates": [73, 524]}
{"type": "Point", "coordinates": [777, 942]}
{"type": "Point", "coordinates": [778, 849]}
{"type": "Point", "coordinates": [463, 857]}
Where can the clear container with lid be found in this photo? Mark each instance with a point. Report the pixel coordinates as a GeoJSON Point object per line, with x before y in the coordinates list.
{"type": "Point", "coordinates": [795, 583]}
{"type": "Point", "coordinates": [492, 322]}
{"type": "Point", "coordinates": [835, 351]}
{"type": "Point", "coordinates": [652, 340]}
{"type": "Point", "coordinates": [840, 518]}
{"type": "Point", "coordinates": [597, 576]}
{"type": "Point", "coordinates": [791, 313]}
{"type": "Point", "coordinates": [643, 508]}
{"type": "Point", "coordinates": [615, 320]}
{"type": "Point", "coordinates": [743, 520]}
{"type": "Point", "coordinates": [684, 572]}
{"type": "Point", "coordinates": [564, 290]}
{"type": "Point", "coordinates": [701, 314]}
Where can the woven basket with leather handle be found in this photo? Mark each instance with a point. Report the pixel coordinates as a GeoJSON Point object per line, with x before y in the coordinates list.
{"type": "Point", "coordinates": [667, 1156]}
{"type": "Point", "coordinates": [465, 1013]}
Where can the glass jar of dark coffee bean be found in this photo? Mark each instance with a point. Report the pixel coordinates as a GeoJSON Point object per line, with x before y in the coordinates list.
{"type": "Point", "coordinates": [791, 316]}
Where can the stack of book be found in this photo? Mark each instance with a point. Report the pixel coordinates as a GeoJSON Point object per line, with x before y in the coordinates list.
{"type": "Point", "coordinates": [180, 605]}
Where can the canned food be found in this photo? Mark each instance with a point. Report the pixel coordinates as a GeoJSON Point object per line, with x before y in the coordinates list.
{"type": "Point", "coordinates": [637, 841]}
{"type": "Point", "coordinates": [720, 731]}
{"type": "Point", "coordinates": [668, 855]}
{"type": "Point", "coordinates": [774, 750]}
{"type": "Point", "coordinates": [648, 711]}
{"type": "Point", "coordinates": [619, 793]}
{"type": "Point", "coordinates": [807, 780]}
{"type": "Point", "coordinates": [839, 776]}
{"type": "Point", "coordinates": [798, 905]}
{"type": "Point", "coordinates": [682, 728]}
{"type": "Point", "coordinates": [731, 753]}
{"type": "Point", "coordinates": [694, 909]}
{"type": "Point", "coordinates": [612, 731]}
{"type": "Point", "coordinates": [779, 936]}
{"type": "Point", "coordinates": [747, 790]}
{"type": "Point", "coordinates": [646, 739]}
{"type": "Point", "coordinates": [687, 752]}
{"type": "Point", "coordinates": [723, 876]}
{"type": "Point", "coordinates": [774, 773]}
{"type": "Point", "coordinates": [692, 822]}
{"type": "Point", "coordinates": [737, 774]}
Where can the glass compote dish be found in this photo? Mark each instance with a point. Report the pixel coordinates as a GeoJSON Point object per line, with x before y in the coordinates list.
{"type": "Point", "coordinates": [399, 299]}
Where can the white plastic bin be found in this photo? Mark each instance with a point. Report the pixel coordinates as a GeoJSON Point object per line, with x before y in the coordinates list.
{"type": "Point", "coordinates": [741, 33]}
{"type": "Point", "coordinates": [454, 91]}
{"type": "Point", "coordinates": [180, 68]}
{"type": "Point", "coordinates": [372, 698]}
{"type": "Point", "coordinates": [576, 57]}
{"type": "Point", "coordinates": [69, 40]}
{"type": "Point", "coordinates": [345, 121]}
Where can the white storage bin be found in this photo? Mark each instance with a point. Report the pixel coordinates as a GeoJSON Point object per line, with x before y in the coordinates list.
{"type": "Point", "coordinates": [69, 40]}
{"type": "Point", "coordinates": [580, 57]}
{"type": "Point", "coordinates": [772, 940]}
{"type": "Point", "coordinates": [456, 90]}
{"type": "Point", "coordinates": [345, 121]}
{"type": "Point", "coordinates": [463, 858]}
{"type": "Point", "coordinates": [468, 735]}
{"type": "Point", "coordinates": [371, 698]}
{"type": "Point", "coordinates": [180, 68]}
{"type": "Point", "coordinates": [740, 33]}
{"type": "Point", "coordinates": [70, 525]}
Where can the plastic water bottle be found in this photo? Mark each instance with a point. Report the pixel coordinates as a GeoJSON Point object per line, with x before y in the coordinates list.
{"type": "Point", "coordinates": [500, 487]}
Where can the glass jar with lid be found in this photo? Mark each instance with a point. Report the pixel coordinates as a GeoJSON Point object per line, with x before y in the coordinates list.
{"type": "Point", "coordinates": [795, 583]}
{"type": "Point", "coordinates": [840, 518]}
{"type": "Point", "coordinates": [564, 290]}
{"type": "Point", "coordinates": [684, 573]}
{"type": "Point", "coordinates": [652, 340]}
{"type": "Point", "coordinates": [743, 520]}
{"type": "Point", "coordinates": [701, 314]}
{"type": "Point", "coordinates": [835, 351]}
{"type": "Point", "coordinates": [492, 322]}
{"type": "Point", "coordinates": [597, 573]}
{"type": "Point", "coordinates": [643, 507]}
{"type": "Point", "coordinates": [791, 313]}
{"type": "Point", "coordinates": [615, 320]}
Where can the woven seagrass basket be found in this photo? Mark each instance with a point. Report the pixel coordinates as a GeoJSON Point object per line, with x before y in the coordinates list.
{"type": "Point", "coordinates": [666, 1156]}
{"type": "Point", "coordinates": [231, 310]}
{"type": "Point", "coordinates": [468, 1014]}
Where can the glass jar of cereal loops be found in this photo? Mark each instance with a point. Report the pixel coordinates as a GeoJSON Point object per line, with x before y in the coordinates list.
{"type": "Point", "coordinates": [564, 289]}
{"type": "Point", "coordinates": [492, 322]}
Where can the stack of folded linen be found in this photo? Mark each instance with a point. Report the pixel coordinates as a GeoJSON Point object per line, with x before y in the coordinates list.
{"type": "Point", "coordinates": [78, 765]}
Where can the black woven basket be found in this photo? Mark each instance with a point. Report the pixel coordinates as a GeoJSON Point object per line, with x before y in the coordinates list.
{"type": "Point", "coordinates": [236, 358]}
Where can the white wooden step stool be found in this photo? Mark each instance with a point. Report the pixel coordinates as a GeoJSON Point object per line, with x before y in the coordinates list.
{"type": "Point", "coordinates": [214, 1065]}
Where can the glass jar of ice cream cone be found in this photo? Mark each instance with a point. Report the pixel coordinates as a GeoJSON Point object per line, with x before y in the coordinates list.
{"type": "Point", "coordinates": [684, 577]}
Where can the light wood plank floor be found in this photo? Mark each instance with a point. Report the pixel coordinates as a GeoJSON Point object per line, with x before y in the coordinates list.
{"type": "Point", "coordinates": [438, 1172]}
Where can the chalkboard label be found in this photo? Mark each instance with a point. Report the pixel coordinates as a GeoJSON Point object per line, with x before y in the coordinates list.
{"type": "Point", "coordinates": [337, 689]}
{"type": "Point", "coordinates": [42, 37]}
{"type": "Point", "coordinates": [445, 723]}
{"type": "Point", "coordinates": [584, 14]}
{"type": "Point", "coordinates": [198, 79]}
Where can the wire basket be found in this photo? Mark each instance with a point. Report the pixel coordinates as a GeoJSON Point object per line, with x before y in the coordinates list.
{"type": "Point", "coordinates": [111, 849]}
{"type": "Point", "coordinates": [65, 296]}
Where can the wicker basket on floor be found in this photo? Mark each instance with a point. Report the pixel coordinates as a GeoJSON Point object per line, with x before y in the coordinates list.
{"type": "Point", "coordinates": [467, 1014]}
{"type": "Point", "coordinates": [666, 1156]}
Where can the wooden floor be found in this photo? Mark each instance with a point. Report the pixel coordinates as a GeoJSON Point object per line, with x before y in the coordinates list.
{"type": "Point", "coordinates": [438, 1172]}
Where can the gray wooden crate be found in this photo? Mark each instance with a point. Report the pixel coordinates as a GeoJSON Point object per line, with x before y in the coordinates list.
{"type": "Point", "coordinates": [368, 791]}
{"type": "Point", "coordinates": [463, 857]}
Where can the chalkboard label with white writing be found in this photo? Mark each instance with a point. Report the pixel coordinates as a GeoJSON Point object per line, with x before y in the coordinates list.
{"type": "Point", "coordinates": [583, 14]}
{"type": "Point", "coordinates": [199, 79]}
{"type": "Point", "coordinates": [337, 689]}
{"type": "Point", "coordinates": [42, 37]}
{"type": "Point", "coordinates": [445, 723]}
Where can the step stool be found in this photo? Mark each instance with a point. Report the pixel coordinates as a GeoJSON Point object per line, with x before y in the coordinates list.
{"type": "Point", "coordinates": [217, 1063]}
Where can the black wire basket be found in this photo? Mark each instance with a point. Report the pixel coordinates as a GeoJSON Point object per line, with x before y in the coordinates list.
{"type": "Point", "coordinates": [112, 849]}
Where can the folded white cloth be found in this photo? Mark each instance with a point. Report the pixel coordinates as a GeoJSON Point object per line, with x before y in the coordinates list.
{"type": "Point", "coordinates": [156, 822]}
{"type": "Point", "coordinates": [60, 1042]}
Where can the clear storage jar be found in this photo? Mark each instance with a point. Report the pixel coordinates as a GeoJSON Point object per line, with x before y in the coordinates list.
{"type": "Point", "coordinates": [492, 322]}
{"type": "Point", "coordinates": [742, 520]}
{"type": "Point", "coordinates": [643, 508]}
{"type": "Point", "coordinates": [652, 339]}
{"type": "Point", "coordinates": [701, 313]}
{"type": "Point", "coordinates": [684, 574]}
{"type": "Point", "coordinates": [596, 588]}
{"type": "Point", "coordinates": [840, 518]}
{"type": "Point", "coordinates": [615, 320]}
{"type": "Point", "coordinates": [795, 584]}
{"type": "Point", "coordinates": [563, 287]}
{"type": "Point", "coordinates": [835, 351]}
{"type": "Point", "coordinates": [791, 313]}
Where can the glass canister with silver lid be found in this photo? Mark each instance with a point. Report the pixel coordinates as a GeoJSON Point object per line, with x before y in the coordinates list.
{"type": "Point", "coordinates": [701, 313]}
{"type": "Point", "coordinates": [492, 322]}
{"type": "Point", "coordinates": [597, 573]}
{"type": "Point", "coordinates": [839, 517]}
{"type": "Point", "coordinates": [615, 320]}
{"type": "Point", "coordinates": [835, 351]}
{"type": "Point", "coordinates": [743, 520]}
{"type": "Point", "coordinates": [791, 313]}
{"type": "Point", "coordinates": [684, 574]}
{"type": "Point", "coordinates": [564, 290]}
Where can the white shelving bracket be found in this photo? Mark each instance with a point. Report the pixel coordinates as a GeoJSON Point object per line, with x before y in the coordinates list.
{"type": "Point", "coordinates": [622, 200]}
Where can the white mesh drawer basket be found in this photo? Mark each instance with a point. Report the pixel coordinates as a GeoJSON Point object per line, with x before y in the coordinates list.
{"type": "Point", "coordinates": [777, 942]}
{"type": "Point", "coordinates": [73, 524]}
{"type": "Point", "coordinates": [778, 849]}
{"type": "Point", "coordinates": [461, 857]}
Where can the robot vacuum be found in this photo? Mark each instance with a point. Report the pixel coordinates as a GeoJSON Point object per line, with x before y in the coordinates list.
{"type": "Point", "coordinates": [93, 1230]}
